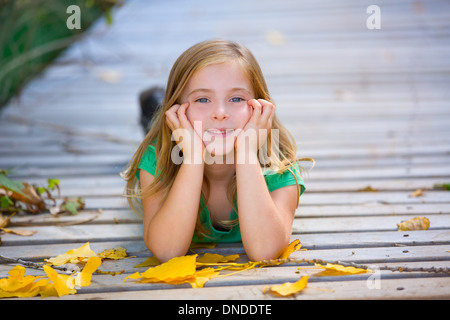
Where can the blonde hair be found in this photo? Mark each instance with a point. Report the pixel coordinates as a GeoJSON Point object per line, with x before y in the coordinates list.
{"type": "Point", "coordinates": [192, 60]}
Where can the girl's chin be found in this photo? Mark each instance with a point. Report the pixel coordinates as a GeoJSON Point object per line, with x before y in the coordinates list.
{"type": "Point", "coordinates": [220, 148]}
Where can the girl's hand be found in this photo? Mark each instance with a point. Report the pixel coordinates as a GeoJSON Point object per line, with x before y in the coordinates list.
{"type": "Point", "coordinates": [183, 133]}
{"type": "Point", "coordinates": [258, 125]}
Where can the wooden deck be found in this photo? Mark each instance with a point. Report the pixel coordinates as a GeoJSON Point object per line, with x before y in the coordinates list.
{"type": "Point", "coordinates": [371, 106]}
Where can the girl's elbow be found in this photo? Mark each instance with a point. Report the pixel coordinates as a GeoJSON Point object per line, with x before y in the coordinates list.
{"type": "Point", "coordinates": [265, 252]}
{"type": "Point", "coordinates": [260, 254]}
{"type": "Point", "coordinates": [164, 254]}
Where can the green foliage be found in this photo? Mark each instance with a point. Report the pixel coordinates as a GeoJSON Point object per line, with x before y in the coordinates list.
{"type": "Point", "coordinates": [34, 32]}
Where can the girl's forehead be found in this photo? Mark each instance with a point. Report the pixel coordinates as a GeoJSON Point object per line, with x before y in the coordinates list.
{"type": "Point", "coordinates": [220, 75]}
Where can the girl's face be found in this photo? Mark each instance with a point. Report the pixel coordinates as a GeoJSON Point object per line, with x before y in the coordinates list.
{"type": "Point", "coordinates": [217, 96]}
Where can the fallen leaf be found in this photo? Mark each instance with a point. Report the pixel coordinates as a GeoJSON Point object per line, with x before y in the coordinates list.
{"type": "Point", "coordinates": [17, 284]}
{"type": "Point", "coordinates": [367, 189]}
{"type": "Point", "coordinates": [30, 197]}
{"type": "Point", "coordinates": [72, 205]}
{"type": "Point", "coordinates": [288, 288]}
{"type": "Point", "coordinates": [201, 277]}
{"type": "Point", "coordinates": [149, 262]}
{"type": "Point", "coordinates": [74, 256]}
{"type": "Point", "coordinates": [338, 270]}
{"type": "Point", "coordinates": [63, 284]}
{"type": "Point", "coordinates": [4, 221]}
{"type": "Point", "coordinates": [216, 258]}
{"type": "Point", "coordinates": [83, 279]}
{"type": "Point", "coordinates": [293, 246]}
{"type": "Point", "coordinates": [417, 223]}
{"type": "Point", "coordinates": [417, 193]}
{"type": "Point", "coordinates": [24, 233]}
{"type": "Point", "coordinates": [114, 254]}
{"type": "Point", "coordinates": [174, 269]}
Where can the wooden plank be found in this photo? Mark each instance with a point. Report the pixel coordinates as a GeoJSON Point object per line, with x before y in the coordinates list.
{"type": "Point", "coordinates": [133, 231]}
{"type": "Point", "coordinates": [429, 288]}
{"type": "Point", "coordinates": [318, 241]}
{"type": "Point", "coordinates": [116, 216]}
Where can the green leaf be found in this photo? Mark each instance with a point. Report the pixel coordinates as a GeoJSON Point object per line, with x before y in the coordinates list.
{"type": "Point", "coordinates": [53, 184]}
{"type": "Point", "coordinates": [5, 202]}
{"type": "Point", "coordinates": [72, 205]}
{"type": "Point", "coordinates": [41, 190]}
{"type": "Point", "coordinates": [9, 184]}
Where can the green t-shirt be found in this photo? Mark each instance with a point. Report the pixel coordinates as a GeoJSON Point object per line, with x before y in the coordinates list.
{"type": "Point", "coordinates": [273, 180]}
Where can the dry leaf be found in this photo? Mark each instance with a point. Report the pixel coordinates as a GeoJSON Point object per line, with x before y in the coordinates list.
{"type": "Point", "coordinates": [149, 262]}
{"type": "Point", "coordinates": [63, 284]}
{"type": "Point", "coordinates": [4, 221]}
{"type": "Point", "coordinates": [174, 269]}
{"type": "Point", "coordinates": [24, 233]}
{"type": "Point", "coordinates": [32, 199]}
{"type": "Point", "coordinates": [293, 246]}
{"type": "Point", "coordinates": [202, 276]}
{"type": "Point", "coordinates": [367, 189]}
{"type": "Point", "coordinates": [417, 193]}
{"type": "Point", "coordinates": [338, 270]}
{"type": "Point", "coordinates": [417, 223]}
{"type": "Point", "coordinates": [115, 253]}
{"type": "Point", "coordinates": [216, 258]}
{"type": "Point", "coordinates": [73, 256]}
{"type": "Point", "coordinates": [288, 288]}
{"type": "Point", "coordinates": [177, 270]}
{"type": "Point", "coordinates": [83, 279]}
{"type": "Point", "coordinates": [18, 285]}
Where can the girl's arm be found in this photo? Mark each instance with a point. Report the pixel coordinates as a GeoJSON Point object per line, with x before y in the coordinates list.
{"type": "Point", "coordinates": [265, 218]}
{"type": "Point", "coordinates": [169, 225]}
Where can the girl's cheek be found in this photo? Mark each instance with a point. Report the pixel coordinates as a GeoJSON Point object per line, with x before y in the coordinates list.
{"type": "Point", "coordinates": [191, 113]}
{"type": "Point", "coordinates": [246, 112]}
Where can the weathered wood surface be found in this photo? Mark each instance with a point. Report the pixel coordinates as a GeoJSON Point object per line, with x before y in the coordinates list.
{"type": "Point", "coordinates": [371, 106]}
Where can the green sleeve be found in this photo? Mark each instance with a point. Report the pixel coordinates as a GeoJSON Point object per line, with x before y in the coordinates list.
{"type": "Point", "coordinates": [286, 178]}
{"type": "Point", "coordinates": [148, 162]}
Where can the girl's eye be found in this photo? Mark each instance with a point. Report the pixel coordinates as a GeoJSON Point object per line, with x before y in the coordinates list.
{"type": "Point", "coordinates": [236, 99]}
{"type": "Point", "coordinates": [202, 100]}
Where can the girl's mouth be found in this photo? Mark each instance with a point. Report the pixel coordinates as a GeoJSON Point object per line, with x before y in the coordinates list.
{"type": "Point", "coordinates": [220, 132]}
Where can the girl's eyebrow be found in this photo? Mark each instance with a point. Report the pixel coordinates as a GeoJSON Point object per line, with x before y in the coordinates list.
{"type": "Point", "coordinates": [210, 90]}
{"type": "Point", "coordinates": [240, 89]}
{"type": "Point", "coordinates": [199, 90]}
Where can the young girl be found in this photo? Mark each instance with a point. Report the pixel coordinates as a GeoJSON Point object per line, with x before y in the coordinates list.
{"type": "Point", "coordinates": [216, 165]}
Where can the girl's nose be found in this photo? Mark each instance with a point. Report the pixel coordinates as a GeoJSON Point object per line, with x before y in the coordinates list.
{"type": "Point", "coordinates": [219, 112]}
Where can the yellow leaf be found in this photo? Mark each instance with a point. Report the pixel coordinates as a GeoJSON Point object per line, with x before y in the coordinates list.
{"type": "Point", "coordinates": [76, 255]}
{"type": "Point", "coordinates": [18, 285]}
{"type": "Point", "coordinates": [293, 246]}
{"type": "Point", "coordinates": [417, 223]}
{"type": "Point", "coordinates": [202, 276]}
{"type": "Point", "coordinates": [338, 270]}
{"type": "Point", "coordinates": [216, 258]}
{"type": "Point", "coordinates": [64, 284]}
{"type": "Point", "coordinates": [149, 262]}
{"type": "Point", "coordinates": [115, 254]}
{"type": "Point", "coordinates": [83, 279]}
{"type": "Point", "coordinates": [288, 288]}
{"type": "Point", "coordinates": [175, 268]}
